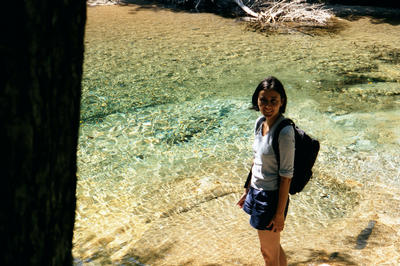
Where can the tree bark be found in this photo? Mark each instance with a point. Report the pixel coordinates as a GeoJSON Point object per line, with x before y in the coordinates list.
{"type": "Point", "coordinates": [41, 51]}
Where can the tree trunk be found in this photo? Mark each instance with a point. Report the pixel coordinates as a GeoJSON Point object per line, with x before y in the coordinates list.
{"type": "Point", "coordinates": [41, 50]}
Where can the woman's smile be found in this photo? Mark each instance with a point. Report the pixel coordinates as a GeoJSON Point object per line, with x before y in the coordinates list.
{"type": "Point", "coordinates": [269, 102]}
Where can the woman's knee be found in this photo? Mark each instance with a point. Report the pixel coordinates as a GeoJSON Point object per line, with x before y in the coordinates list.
{"type": "Point", "coordinates": [264, 254]}
{"type": "Point", "coordinates": [271, 257]}
{"type": "Point", "coordinates": [269, 246]}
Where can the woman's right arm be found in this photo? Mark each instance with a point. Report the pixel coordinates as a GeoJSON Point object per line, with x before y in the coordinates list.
{"type": "Point", "coordinates": [246, 186]}
{"type": "Point", "coordinates": [242, 199]}
{"type": "Point", "coordinates": [248, 180]}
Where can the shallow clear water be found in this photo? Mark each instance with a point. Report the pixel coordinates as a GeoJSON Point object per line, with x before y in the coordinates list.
{"type": "Point", "coordinates": [166, 133]}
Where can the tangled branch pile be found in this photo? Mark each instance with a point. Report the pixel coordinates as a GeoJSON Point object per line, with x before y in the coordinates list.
{"type": "Point", "coordinates": [278, 13]}
{"type": "Point", "coordinates": [102, 2]}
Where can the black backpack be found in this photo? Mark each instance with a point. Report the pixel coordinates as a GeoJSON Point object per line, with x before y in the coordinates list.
{"type": "Point", "coordinates": [306, 151]}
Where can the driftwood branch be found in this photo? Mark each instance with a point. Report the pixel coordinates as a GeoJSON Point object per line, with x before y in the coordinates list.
{"type": "Point", "coordinates": [281, 11]}
{"type": "Point", "coordinates": [247, 9]}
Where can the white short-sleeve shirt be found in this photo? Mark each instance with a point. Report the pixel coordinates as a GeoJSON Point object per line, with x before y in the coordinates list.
{"type": "Point", "coordinates": [265, 168]}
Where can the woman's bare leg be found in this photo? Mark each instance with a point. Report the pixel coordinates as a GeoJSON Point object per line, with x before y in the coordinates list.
{"type": "Point", "coordinates": [271, 248]}
{"type": "Point", "coordinates": [282, 257]}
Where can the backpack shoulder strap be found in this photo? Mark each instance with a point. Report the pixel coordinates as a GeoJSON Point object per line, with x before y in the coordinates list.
{"type": "Point", "coordinates": [259, 122]}
{"type": "Point", "coordinates": [275, 140]}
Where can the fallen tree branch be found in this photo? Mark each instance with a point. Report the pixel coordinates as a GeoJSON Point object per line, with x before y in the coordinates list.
{"type": "Point", "coordinates": [278, 12]}
{"type": "Point", "coordinates": [247, 9]}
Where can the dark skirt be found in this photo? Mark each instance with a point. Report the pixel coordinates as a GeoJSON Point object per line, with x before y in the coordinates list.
{"type": "Point", "coordinates": [261, 206]}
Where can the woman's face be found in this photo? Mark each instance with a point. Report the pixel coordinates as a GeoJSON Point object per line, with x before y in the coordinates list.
{"type": "Point", "coordinates": [269, 102]}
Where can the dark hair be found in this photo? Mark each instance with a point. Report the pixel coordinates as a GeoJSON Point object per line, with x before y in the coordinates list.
{"type": "Point", "coordinates": [270, 83]}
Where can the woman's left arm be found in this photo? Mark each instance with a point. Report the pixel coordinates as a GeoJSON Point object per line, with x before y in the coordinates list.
{"type": "Point", "coordinates": [286, 156]}
{"type": "Point", "coordinates": [278, 221]}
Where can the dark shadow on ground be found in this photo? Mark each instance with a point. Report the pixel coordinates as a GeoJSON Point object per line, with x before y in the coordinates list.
{"type": "Point", "coordinates": [134, 257]}
{"type": "Point", "coordinates": [377, 14]}
{"type": "Point", "coordinates": [320, 256]}
{"type": "Point", "coordinates": [154, 6]}
{"type": "Point", "coordinates": [228, 9]}
{"type": "Point", "coordinates": [147, 257]}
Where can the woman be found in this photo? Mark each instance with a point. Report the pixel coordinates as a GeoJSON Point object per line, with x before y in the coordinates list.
{"type": "Point", "coordinates": [266, 198]}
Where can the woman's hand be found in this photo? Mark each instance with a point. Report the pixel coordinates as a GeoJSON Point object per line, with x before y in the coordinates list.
{"type": "Point", "coordinates": [277, 222]}
{"type": "Point", "coordinates": [242, 199]}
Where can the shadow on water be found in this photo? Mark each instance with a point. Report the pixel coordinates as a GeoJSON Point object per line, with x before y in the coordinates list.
{"type": "Point", "coordinates": [147, 257]}
{"type": "Point", "coordinates": [151, 5]}
{"type": "Point", "coordinates": [191, 262]}
{"type": "Point", "coordinates": [103, 257]}
{"type": "Point", "coordinates": [378, 15]}
{"type": "Point", "coordinates": [362, 238]}
{"type": "Point", "coordinates": [320, 256]}
{"type": "Point", "coordinates": [229, 9]}
{"type": "Point", "coordinates": [394, 21]}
